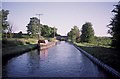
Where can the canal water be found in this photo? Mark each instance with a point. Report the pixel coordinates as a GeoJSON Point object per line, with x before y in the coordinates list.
{"type": "Point", "coordinates": [62, 60]}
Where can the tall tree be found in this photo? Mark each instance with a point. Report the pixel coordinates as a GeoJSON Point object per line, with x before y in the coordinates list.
{"type": "Point", "coordinates": [115, 26]}
{"type": "Point", "coordinates": [10, 29]}
{"type": "Point", "coordinates": [53, 31]}
{"type": "Point", "coordinates": [48, 31]}
{"type": "Point", "coordinates": [74, 34]}
{"type": "Point", "coordinates": [77, 33]}
{"type": "Point", "coordinates": [4, 19]}
{"type": "Point", "coordinates": [87, 33]}
{"type": "Point", "coordinates": [34, 28]}
{"type": "Point", "coordinates": [4, 23]}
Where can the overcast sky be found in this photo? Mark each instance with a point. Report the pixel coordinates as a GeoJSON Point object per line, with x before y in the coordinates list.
{"type": "Point", "coordinates": [62, 15]}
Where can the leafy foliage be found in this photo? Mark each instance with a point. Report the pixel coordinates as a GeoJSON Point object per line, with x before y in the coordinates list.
{"type": "Point", "coordinates": [87, 33]}
{"type": "Point", "coordinates": [102, 41]}
{"type": "Point", "coordinates": [34, 27]}
{"type": "Point", "coordinates": [115, 26]}
{"type": "Point", "coordinates": [47, 31]}
{"type": "Point", "coordinates": [74, 34]}
{"type": "Point", "coordinates": [3, 16]}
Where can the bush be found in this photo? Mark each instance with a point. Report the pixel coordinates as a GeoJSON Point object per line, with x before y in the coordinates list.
{"type": "Point", "coordinates": [105, 41]}
{"type": "Point", "coordinates": [11, 42]}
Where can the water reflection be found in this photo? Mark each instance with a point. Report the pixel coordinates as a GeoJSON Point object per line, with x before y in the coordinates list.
{"type": "Point", "coordinates": [34, 58]}
{"type": "Point", "coordinates": [43, 54]}
{"type": "Point", "coordinates": [33, 61]}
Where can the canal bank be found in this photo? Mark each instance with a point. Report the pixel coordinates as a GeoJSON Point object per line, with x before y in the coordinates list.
{"type": "Point", "coordinates": [62, 60]}
{"type": "Point", "coordinates": [104, 66]}
{"type": "Point", "coordinates": [10, 52]}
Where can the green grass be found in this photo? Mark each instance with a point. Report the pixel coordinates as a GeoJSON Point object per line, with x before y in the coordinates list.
{"type": "Point", "coordinates": [102, 41]}
{"type": "Point", "coordinates": [12, 47]}
{"type": "Point", "coordinates": [11, 42]}
{"type": "Point", "coordinates": [8, 53]}
{"type": "Point", "coordinates": [93, 45]}
{"type": "Point", "coordinates": [16, 50]}
{"type": "Point", "coordinates": [106, 54]}
{"type": "Point", "coordinates": [15, 46]}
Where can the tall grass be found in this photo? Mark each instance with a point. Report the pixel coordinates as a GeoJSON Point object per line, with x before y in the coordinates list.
{"type": "Point", "coordinates": [98, 41]}
{"type": "Point", "coordinates": [16, 42]}
{"type": "Point", "coordinates": [22, 41]}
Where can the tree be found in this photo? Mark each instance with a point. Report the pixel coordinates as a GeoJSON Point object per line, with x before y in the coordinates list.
{"type": "Point", "coordinates": [4, 19]}
{"type": "Point", "coordinates": [34, 28]}
{"type": "Point", "coordinates": [74, 34]}
{"type": "Point", "coordinates": [47, 31]}
{"type": "Point", "coordinates": [87, 33]}
{"type": "Point", "coordinates": [53, 31]}
{"type": "Point", "coordinates": [4, 23]}
{"type": "Point", "coordinates": [115, 26]}
{"type": "Point", "coordinates": [10, 29]}
{"type": "Point", "coordinates": [71, 35]}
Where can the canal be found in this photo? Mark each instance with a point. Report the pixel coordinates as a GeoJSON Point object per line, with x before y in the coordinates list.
{"type": "Point", "coordinates": [62, 60]}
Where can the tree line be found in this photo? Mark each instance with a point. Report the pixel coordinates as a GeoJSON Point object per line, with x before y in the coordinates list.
{"type": "Point", "coordinates": [115, 26]}
{"type": "Point", "coordinates": [75, 35]}
{"type": "Point", "coordinates": [34, 28]}
{"type": "Point", "coordinates": [87, 33]}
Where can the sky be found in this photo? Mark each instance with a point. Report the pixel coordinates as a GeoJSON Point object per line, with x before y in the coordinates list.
{"type": "Point", "coordinates": [62, 15]}
{"type": "Point", "coordinates": [59, 0]}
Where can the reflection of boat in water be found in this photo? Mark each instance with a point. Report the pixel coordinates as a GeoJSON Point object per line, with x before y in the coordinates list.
{"type": "Point", "coordinates": [44, 44]}
{"type": "Point", "coordinates": [43, 54]}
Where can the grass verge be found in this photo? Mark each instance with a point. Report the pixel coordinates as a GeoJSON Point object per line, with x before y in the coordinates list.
{"type": "Point", "coordinates": [106, 54]}
{"type": "Point", "coordinates": [8, 53]}
{"type": "Point", "coordinates": [11, 42]}
{"type": "Point", "coordinates": [17, 49]}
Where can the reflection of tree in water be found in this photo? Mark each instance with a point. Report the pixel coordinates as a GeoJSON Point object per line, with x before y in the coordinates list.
{"type": "Point", "coordinates": [43, 54]}
{"type": "Point", "coordinates": [33, 61]}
